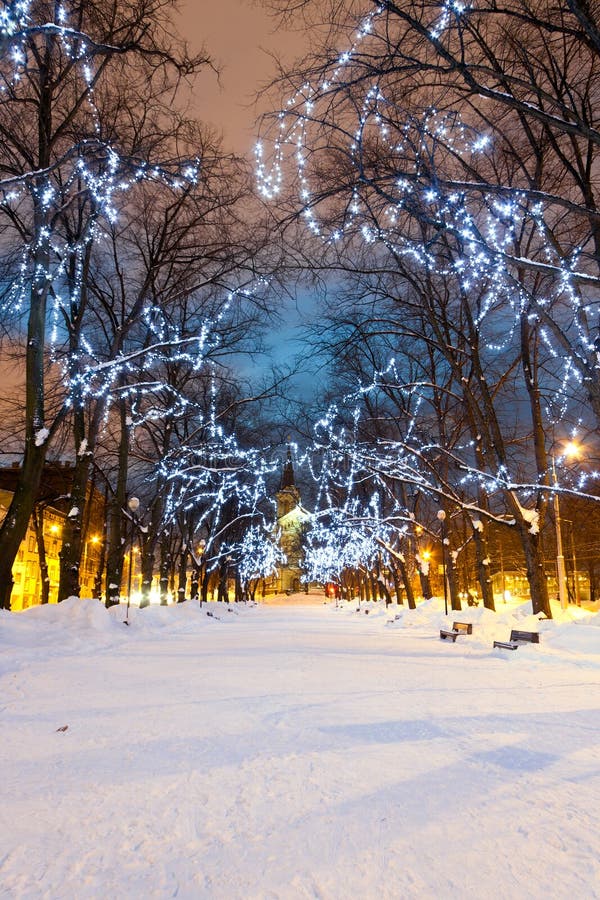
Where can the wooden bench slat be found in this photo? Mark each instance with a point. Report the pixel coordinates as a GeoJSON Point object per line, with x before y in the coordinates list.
{"type": "Point", "coordinates": [531, 637]}
{"type": "Point", "coordinates": [505, 645]}
{"type": "Point", "coordinates": [463, 627]}
{"type": "Point", "coordinates": [448, 635]}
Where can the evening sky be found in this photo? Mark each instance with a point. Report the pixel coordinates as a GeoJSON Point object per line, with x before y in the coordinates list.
{"type": "Point", "coordinates": [241, 39]}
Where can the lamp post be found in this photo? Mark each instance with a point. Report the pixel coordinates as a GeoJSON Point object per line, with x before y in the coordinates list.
{"type": "Point", "coordinates": [575, 572]}
{"type": "Point", "coordinates": [442, 518]}
{"type": "Point", "coordinates": [576, 593]}
{"type": "Point", "coordinates": [134, 504]}
{"type": "Point", "coordinates": [561, 573]}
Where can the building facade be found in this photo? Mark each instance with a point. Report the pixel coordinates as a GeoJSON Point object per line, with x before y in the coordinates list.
{"type": "Point", "coordinates": [292, 520]}
{"type": "Point", "coordinates": [46, 528]}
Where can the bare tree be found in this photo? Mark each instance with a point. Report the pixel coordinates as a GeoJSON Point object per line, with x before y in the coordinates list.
{"type": "Point", "coordinates": [55, 158]}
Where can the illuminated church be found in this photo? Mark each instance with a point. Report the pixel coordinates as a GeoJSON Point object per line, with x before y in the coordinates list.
{"type": "Point", "coordinates": [292, 519]}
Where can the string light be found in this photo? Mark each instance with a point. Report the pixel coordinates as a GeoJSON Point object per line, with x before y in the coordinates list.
{"type": "Point", "coordinates": [401, 168]}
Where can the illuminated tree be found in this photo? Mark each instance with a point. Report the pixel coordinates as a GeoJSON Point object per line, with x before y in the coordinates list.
{"type": "Point", "coordinates": [61, 171]}
{"type": "Point", "coordinates": [259, 555]}
{"type": "Point", "coordinates": [189, 467]}
{"type": "Point", "coordinates": [407, 441]}
{"type": "Point", "coordinates": [477, 123]}
{"type": "Point", "coordinates": [448, 152]}
{"type": "Point", "coordinates": [173, 286]}
{"type": "Point", "coordinates": [218, 486]}
{"type": "Point", "coordinates": [445, 382]}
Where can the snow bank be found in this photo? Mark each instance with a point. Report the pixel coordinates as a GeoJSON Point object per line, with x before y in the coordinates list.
{"type": "Point", "coordinates": [574, 631]}
{"type": "Point", "coordinates": [177, 618]}
{"type": "Point", "coordinates": [73, 614]}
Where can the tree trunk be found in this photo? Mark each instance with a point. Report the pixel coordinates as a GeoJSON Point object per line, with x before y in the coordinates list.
{"type": "Point", "coordinates": [374, 587]}
{"type": "Point", "coordinates": [425, 581]}
{"type": "Point", "coordinates": [102, 560]}
{"type": "Point", "coordinates": [384, 592]}
{"type": "Point", "coordinates": [204, 584]}
{"type": "Point", "coordinates": [453, 585]}
{"type": "Point", "coordinates": [165, 568]}
{"type": "Point", "coordinates": [223, 593]}
{"type": "Point", "coordinates": [147, 570]}
{"type": "Point", "coordinates": [536, 576]}
{"type": "Point", "coordinates": [195, 581]}
{"type": "Point", "coordinates": [77, 521]}
{"type": "Point", "coordinates": [117, 536]}
{"type": "Point", "coordinates": [534, 557]}
{"type": "Point", "coordinates": [38, 524]}
{"type": "Point", "coordinates": [482, 564]}
{"type": "Point", "coordinates": [410, 595]}
{"type": "Point", "coordinates": [397, 588]}
{"type": "Point", "coordinates": [182, 574]}
{"type": "Point", "coordinates": [16, 522]}
{"type": "Point", "coordinates": [73, 537]}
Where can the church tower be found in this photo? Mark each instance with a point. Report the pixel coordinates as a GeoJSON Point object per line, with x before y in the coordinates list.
{"type": "Point", "coordinates": [291, 519]}
{"type": "Point", "coordinates": [288, 495]}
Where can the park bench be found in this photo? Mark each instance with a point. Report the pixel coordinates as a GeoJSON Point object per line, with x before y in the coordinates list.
{"type": "Point", "coordinates": [517, 638]}
{"type": "Point", "coordinates": [457, 628]}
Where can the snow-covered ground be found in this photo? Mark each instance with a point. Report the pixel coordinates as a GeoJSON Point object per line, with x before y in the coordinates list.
{"type": "Point", "coordinates": [296, 751]}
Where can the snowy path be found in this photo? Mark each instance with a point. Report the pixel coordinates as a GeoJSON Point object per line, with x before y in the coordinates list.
{"type": "Point", "coordinates": [293, 753]}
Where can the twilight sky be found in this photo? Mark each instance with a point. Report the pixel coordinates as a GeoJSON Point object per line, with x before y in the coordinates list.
{"type": "Point", "coordinates": [239, 35]}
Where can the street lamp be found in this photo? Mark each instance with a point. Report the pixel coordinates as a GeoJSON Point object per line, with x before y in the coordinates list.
{"type": "Point", "coordinates": [561, 573]}
{"type": "Point", "coordinates": [576, 593]}
{"type": "Point", "coordinates": [442, 518]}
{"type": "Point", "coordinates": [571, 449]}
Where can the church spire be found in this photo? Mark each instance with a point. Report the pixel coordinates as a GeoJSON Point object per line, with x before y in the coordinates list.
{"type": "Point", "coordinates": [288, 479]}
